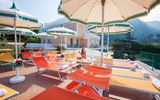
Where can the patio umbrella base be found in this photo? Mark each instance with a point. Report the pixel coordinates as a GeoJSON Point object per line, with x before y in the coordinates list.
{"type": "Point", "coordinates": [15, 80]}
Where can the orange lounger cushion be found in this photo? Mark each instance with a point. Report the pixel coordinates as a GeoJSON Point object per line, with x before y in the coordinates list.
{"type": "Point", "coordinates": [37, 54]}
{"type": "Point", "coordinates": [142, 85]}
{"type": "Point", "coordinates": [91, 77]}
{"type": "Point", "coordinates": [6, 57]}
{"type": "Point", "coordinates": [55, 93]}
{"type": "Point", "coordinates": [10, 92]}
{"type": "Point", "coordinates": [84, 89]}
{"type": "Point", "coordinates": [126, 73]}
{"type": "Point", "coordinates": [26, 55]}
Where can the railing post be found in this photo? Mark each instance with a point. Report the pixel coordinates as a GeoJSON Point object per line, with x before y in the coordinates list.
{"type": "Point", "coordinates": [152, 62]}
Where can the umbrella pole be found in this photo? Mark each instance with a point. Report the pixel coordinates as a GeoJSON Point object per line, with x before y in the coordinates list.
{"type": "Point", "coordinates": [15, 36]}
{"type": "Point", "coordinates": [19, 43]}
{"type": "Point", "coordinates": [102, 35]}
{"type": "Point", "coordinates": [17, 78]}
{"type": "Point", "coordinates": [45, 43]}
{"type": "Point", "coordinates": [61, 42]}
{"type": "Point", "coordinates": [108, 43]}
{"type": "Point", "coordinates": [65, 40]}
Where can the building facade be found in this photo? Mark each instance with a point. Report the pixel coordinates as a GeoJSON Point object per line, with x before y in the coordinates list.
{"type": "Point", "coordinates": [81, 38]}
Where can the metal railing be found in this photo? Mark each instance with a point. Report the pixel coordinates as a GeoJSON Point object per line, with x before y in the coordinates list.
{"type": "Point", "coordinates": [151, 59]}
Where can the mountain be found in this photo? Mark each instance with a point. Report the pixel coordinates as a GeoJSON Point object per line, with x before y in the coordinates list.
{"type": "Point", "coordinates": [145, 32]}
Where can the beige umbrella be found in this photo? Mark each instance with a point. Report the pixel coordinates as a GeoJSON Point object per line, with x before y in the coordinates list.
{"type": "Point", "coordinates": [118, 28]}
{"type": "Point", "coordinates": [105, 11]}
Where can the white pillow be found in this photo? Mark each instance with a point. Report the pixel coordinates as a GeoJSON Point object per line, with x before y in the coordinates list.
{"type": "Point", "coordinates": [3, 91]}
{"type": "Point", "coordinates": [136, 65]}
{"type": "Point", "coordinates": [156, 83]}
{"type": "Point", "coordinates": [145, 74]}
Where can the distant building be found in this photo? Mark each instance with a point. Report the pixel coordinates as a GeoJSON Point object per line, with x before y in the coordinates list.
{"type": "Point", "coordinates": [82, 38]}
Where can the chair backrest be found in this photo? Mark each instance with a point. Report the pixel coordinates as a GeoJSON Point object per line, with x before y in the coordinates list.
{"type": "Point", "coordinates": [26, 55]}
{"type": "Point", "coordinates": [37, 54]}
{"type": "Point", "coordinates": [40, 62]}
{"type": "Point", "coordinates": [6, 57]}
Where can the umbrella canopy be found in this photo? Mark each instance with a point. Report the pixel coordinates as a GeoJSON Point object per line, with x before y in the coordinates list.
{"type": "Point", "coordinates": [61, 31]}
{"type": "Point", "coordinates": [45, 35]}
{"type": "Point", "coordinates": [119, 28]}
{"type": "Point", "coordinates": [90, 11]}
{"type": "Point", "coordinates": [22, 31]}
{"type": "Point", "coordinates": [23, 20]}
{"type": "Point", "coordinates": [105, 11]}
{"type": "Point", "coordinates": [111, 29]}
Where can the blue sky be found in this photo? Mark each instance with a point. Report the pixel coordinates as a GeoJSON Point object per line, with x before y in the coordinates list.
{"type": "Point", "coordinates": [46, 10]}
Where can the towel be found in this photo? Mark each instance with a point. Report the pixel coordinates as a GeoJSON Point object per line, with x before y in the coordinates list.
{"type": "Point", "coordinates": [3, 91]}
{"type": "Point", "coordinates": [62, 67]}
{"type": "Point", "coordinates": [131, 62]}
{"type": "Point", "coordinates": [136, 65]}
{"type": "Point", "coordinates": [156, 83]}
{"type": "Point", "coordinates": [145, 74]}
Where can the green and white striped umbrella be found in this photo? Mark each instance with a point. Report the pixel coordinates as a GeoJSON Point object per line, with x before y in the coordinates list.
{"type": "Point", "coordinates": [105, 11]}
{"type": "Point", "coordinates": [21, 31]}
{"type": "Point", "coordinates": [118, 28]}
{"type": "Point", "coordinates": [61, 31]}
{"type": "Point", "coordinates": [45, 36]}
{"type": "Point", "coordinates": [14, 18]}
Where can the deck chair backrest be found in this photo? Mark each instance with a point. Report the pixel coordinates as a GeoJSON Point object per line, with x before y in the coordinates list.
{"type": "Point", "coordinates": [40, 62]}
{"type": "Point", "coordinates": [37, 54]}
{"type": "Point", "coordinates": [6, 57]}
{"type": "Point", "coordinates": [26, 55]}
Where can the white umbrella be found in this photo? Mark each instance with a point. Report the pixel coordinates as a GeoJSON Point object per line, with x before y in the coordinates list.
{"type": "Point", "coordinates": [45, 36]}
{"type": "Point", "coordinates": [118, 28]}
{"type": "Point", "coordinates": [19, 31]}
{"type": "Point", "coordinates": [14, 18]}
{"type": "Point", "coordinates": [61, 31]}
{"type": "Point", "coordinates": [104, 11]}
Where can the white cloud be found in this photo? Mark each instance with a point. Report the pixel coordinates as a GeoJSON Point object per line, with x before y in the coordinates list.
{"type": "Point", "coordinates": [5, 3]}
{"type": "Point", "coordinates": [154, 15]}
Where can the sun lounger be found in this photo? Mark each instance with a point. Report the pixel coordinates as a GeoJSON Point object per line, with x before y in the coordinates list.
{"type": "Point", "coordinates": [55, 93]}
{"type": "Point", "coordinates": [84, 89]}
{"type": "Point", "coordinates": [37, 54]}
{"type": "Point", "coordinates": [26, 55]}
{"type": "Point", "coordinates": [135, 84]}
{"type": "Point", "coordinates": [9, 94]}
{"type": "Point", "coordinates": [106, 60]}
{"type": "Point", "coordinates": [69, 57]}
{"type": "Point", "coordinates": [7, 59]}
{"type": "Point", "coordinates": [92, 76]}
{"type": "Point", "coordinates": [40, 62]}
{"type": "Point", "coordinates": [122, 64]}
{"type": "Point", "coordinates": [129, 74]}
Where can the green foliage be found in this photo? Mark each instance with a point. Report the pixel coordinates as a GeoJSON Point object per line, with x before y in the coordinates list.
{"type": "Point", "coordinates": [58, 48]}
{"type": "Point", "coordinates": [4, 45]}
{"type": "Point", "coordinates": [132, 48]}
{"type": "Point", "coordinates": [33, 39]}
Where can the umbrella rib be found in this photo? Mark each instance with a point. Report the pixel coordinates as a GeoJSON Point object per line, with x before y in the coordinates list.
{"type": "Point", "coordinates": [78, 8]}
{"type": "Point", "coordinates": [118, 9]}
{"type": "Point", "coordinates": [91, 10]}
{"type": "Point", "coordinates": [139, 4]}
